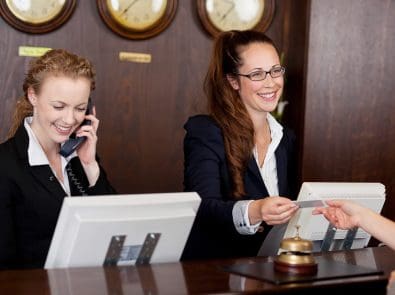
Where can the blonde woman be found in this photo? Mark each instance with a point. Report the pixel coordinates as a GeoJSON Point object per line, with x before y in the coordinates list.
{"type": "Point", "coordinates": [34, 177]}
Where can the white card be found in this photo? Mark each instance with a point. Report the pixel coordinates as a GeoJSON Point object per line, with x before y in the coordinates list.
{"type": "Point", "coordinates": [310, 203]}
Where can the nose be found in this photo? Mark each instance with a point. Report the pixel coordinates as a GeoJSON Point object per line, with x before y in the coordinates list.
{"type": "Point", "coordinates": [269, 81]}
{"type": "Point", "coordinates": [69, 117]}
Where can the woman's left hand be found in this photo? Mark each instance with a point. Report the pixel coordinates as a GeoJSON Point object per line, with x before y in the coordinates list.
{"type": "Point", "coordinates": [87, 151]}
{"type": "Point", "coordinates": [271, 210]}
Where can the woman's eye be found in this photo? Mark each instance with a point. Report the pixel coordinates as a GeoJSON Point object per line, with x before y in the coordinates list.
{"type": "Point", "coordinates": [58, 107]}
{"type": "Point", "coordinates": [256, 75]}
{"type": "Point", "coordinates": [81, 109]}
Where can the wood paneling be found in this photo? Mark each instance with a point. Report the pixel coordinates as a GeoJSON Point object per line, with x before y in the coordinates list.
{"type": "Point", "coordinates": [141, 107]}
{"type": "Point", "coordinates": [296, 21]}
{"type": "Point", "coordinates": [349, 126]}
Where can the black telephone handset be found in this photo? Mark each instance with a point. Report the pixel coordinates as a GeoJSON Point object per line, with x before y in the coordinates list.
{"type": "Point", "coordinates": [72, 144]}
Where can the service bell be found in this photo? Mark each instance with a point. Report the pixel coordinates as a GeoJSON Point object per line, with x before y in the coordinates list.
{"type": "Point", "coordinates": [296, 256]}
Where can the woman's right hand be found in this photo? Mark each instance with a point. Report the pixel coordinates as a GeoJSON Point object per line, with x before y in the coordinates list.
{"type": "Point", "coordinates": [271, 210]}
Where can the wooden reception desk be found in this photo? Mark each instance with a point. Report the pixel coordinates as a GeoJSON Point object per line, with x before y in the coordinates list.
{"type": "Point", "coordinates": [200, 277]}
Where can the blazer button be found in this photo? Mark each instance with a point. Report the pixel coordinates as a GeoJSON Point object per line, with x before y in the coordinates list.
{"type": "Point", "coordinates": [51, 178]}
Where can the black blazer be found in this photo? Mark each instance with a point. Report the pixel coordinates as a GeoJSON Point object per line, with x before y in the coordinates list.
{"type": "Point", "coordinates": [30, 202]}
{"type": "Point", "coordinates": [213, 234]}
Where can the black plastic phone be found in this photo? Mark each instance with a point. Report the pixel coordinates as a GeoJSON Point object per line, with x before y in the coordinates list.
{"type": "Point", "coordinates": [74, 142]}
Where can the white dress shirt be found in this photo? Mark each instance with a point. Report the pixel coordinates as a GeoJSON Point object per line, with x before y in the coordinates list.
{"type": "Point", "coordinates": [37, 156]}
{"type": "Point", "coordinates": [268, 173]}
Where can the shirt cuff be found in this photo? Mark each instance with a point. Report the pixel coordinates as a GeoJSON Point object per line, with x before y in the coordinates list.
{"type": "Point", "coordinates": [241, 220]}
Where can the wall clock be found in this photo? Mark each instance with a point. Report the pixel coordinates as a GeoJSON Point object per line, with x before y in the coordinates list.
{"type": "Point", "coordinates": [36, 16]}
{"type": "Point", "coordinates": [137, 19]}
{"type": "Point", "coordinates": [223, 15]}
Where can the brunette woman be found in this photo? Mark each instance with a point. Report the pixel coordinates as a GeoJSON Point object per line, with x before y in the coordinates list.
{"type": "Point", "coordinates": [239, 158]}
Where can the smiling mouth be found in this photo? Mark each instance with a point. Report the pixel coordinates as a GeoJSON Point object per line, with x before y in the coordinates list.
{"type": "Point", "coordinates": [63, 130]}
{"type": "Point", "coordinates": [268, 96]}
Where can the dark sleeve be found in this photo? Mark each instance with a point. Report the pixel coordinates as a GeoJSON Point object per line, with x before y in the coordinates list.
{"type": "Point", "coordinates": [204, 160]}
{"type": "Point", "coordinates": [102, 185]}
{"type": "Point", "coordinates": [7, 233]}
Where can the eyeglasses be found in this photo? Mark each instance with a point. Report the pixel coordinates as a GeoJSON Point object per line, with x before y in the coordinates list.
{"type": "Point", "coordinates": [275, 72]}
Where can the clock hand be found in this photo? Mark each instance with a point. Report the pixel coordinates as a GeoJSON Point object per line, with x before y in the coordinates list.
{"type": "Point", "coordinates": [127, 8]}
{"type": "Point", "coordinates": [228, 11]}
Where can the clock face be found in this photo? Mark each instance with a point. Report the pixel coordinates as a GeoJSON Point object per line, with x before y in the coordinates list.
{"type": "Point", "coordinates": [137, 14]}
{"type": "Point", "coordinates": [225, 15]}
{"type": "Point", "coordinates": [137, 19]}
{"type": "Point", "coordinates": [228, 15]}
{"type": "Point", "coordinates": [36, 16]}
{"type": "Point", "coordinates": [35, 11]}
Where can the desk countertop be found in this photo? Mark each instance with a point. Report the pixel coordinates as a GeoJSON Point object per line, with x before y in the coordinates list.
{"type": "Point", "coordinates": [193, 277]}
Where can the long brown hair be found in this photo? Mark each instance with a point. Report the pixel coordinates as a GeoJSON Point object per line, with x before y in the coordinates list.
{"type": "Point", "coordinates": [55, 62]}
{"type": "Point", "coordinates": [225, 104]}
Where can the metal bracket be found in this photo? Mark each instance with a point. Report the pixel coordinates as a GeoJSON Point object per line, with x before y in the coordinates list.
{"type": "Point", "coordinates": [142, 254]}
{"type": "Point", "coordinates": [147, 249]}
{"type": "Point", "coordinates": [328, 239]}
{"type": "Point", "coordinates": [349, 239]}
{"type": "Point", "coordinates": [114, 250]}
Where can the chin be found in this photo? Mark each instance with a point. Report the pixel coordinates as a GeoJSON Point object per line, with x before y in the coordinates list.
{"type": "Point", "coordinates": [270, 108]}
{"type": "Point", "coordinates": [60, 139]}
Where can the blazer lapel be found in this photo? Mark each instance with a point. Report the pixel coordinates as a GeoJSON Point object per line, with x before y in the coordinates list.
{"type": "Point", "coordinates": [42, 173]}
{"type": "Point", "coordinates": [254, 169]}
{"type": "Point", "coordinates": [282, 168]}
{"type": "Point", "coordinates": [281, 161]}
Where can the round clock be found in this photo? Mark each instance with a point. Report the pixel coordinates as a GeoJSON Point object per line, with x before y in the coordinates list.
{"type": "Point", "coordinates": [36, 16]}
{"type": "Point", "coordinates": [225, 15]}
{"type": "Point", "coordinates": [137, 19]}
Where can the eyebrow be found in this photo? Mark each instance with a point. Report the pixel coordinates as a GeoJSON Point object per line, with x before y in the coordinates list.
{"type": "Point", "coordinates": [63, 103]}
{"type": "Point", "coordinates": [261, 69]}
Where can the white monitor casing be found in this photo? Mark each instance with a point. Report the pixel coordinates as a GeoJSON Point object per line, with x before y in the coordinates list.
{"type": "Point", "coordinates": [86, 225]}
{"type": "Point", "coordinates": [313, 227]}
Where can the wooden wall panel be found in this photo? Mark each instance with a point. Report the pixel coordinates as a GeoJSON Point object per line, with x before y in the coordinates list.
{"type": "Point", "coordinates": [141, 107]}
{"type": "Point", "coordinates": [296, 22]}
{"type": "Point", "coordinates": [349, 126]}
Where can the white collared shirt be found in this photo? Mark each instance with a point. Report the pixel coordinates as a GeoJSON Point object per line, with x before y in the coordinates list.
{"type": "Point", "coordinates": [269, 176]}
{"type": "Point", "coordinates": [269, 168]}
{"type": "Point", "coordinates": [37, 157]}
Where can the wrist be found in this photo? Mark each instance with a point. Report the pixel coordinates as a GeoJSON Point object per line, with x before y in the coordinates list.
{"type": "Point", "coordinates": [364, 216]}
{"type": "Point", "coordinates": [254, 212]}
{"type": "Point", "coordinates": [92, 172]}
